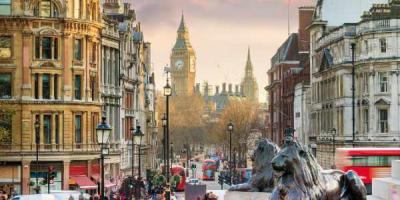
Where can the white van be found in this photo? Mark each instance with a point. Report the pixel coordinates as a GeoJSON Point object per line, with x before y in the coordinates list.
{"type": "Point", "coordinates": [35, 197]}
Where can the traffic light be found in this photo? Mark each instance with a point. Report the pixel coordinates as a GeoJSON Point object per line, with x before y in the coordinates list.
{"type": "Point", "coordinates": [52, 174]}
{"type": "Point", "coordinates": [193, 166]}
{"type": "Point", "coordinates": [221, 181]}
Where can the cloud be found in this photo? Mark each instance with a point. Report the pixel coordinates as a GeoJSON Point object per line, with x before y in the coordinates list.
{"type": "Point", "coordinates": [221, 31]}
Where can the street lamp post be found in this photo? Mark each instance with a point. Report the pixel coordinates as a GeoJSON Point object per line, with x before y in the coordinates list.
{"type": "Point", "coordinates": [164, 124]}
{"type": "Point", "coordinates": [353, 91]}
{"type": "Point", "coordinates": [133, 150]}
{"type": "Point", "coordinates": [167, 94]}
{"type": "Point", "coordinates": [334, 144]}
{"type": "Point", "coordinates": [230, 129]}
{"type": "Point", "coordinates": [37, 142]}
{"type": "Point", "coordinates": [139, 135]}
{"type": "Point", "coordinates": [172, 153]}
{"type": "Point", "coordinates": [187, 159]}
{"type": "Point", "coordinates": [103, 132]}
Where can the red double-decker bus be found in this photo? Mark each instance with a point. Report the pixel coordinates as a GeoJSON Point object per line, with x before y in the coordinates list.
{"type": "Point", "coordinates": [209, 167]}
{"type": "Point", "coordinates": [180, 171]}
{"type": "Point", "coordinates": [367, 162]}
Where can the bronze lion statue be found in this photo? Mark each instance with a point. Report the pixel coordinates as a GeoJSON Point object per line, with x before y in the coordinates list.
{"type": "Point", "coordinates": [262, 179]}
{"type": "Point", "coordinates": [300, 177]}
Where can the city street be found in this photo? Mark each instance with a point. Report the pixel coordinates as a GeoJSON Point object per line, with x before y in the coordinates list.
{"type": "Point", "coordinates": [211, 185]}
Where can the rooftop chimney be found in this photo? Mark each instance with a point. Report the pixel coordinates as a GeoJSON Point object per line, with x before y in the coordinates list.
{"type": "Point", "coordinates": [305, 18]}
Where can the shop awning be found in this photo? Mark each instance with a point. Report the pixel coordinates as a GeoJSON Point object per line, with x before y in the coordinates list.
{"type": "Point", "coordinates": [107, 183]}
{"type": "Point", "coordinates": [83, 182]}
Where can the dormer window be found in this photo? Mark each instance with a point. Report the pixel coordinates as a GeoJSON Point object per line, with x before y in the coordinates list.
{"type": "Point", "coordinates": [46, 8]}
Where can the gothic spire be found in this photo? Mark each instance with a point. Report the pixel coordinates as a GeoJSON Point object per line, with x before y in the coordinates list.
{"type": "Point", "coordinates": [182, 25]}
{"type": "Point", "coordinates": [182, 41]}
{"type": "Point", "coordinates": [249, 66]}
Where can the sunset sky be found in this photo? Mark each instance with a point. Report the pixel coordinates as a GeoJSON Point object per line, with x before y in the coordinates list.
{"type": "Point", "coordinates": [220, 32]}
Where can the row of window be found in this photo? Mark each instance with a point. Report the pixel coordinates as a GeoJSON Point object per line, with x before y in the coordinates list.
{"type": "Point", "coordinates": [324, 121]}
{"type": "Point", "coordinates": [46, 86]}
{"type": "Point", "coordinates": [323, 90]}
{"type": "Point", "coordinates": [45, 48]}
{"type": "Point", "coordinates": [47, 8]}
{"type": "Point", "coordinates": [373, 161]}
{"type": "Point", "coordinates": [52, 125]}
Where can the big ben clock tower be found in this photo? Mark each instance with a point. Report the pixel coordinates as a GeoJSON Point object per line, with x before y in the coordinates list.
{"type": "Point", "coordinates": [183, 63]}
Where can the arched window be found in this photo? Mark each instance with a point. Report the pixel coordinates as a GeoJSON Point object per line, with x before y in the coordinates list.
{"type": "Point", "coordinates": [46, 8]}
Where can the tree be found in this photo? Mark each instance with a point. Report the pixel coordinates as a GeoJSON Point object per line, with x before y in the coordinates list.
{"type": "Point", "coordinates": [245, 117]}
{"type": "Point", "coordinates": [186, 123]}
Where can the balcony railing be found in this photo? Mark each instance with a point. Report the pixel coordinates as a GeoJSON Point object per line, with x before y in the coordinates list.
{"type": "Point", "coordinates": [57, 148]}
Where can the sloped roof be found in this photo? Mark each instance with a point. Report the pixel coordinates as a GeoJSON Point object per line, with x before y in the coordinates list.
{"type": "Point", "coordinates": [288, 51]}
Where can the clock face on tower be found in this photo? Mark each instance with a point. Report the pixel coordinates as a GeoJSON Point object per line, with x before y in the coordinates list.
{"type": "Point", "coordinates": [179, 64]}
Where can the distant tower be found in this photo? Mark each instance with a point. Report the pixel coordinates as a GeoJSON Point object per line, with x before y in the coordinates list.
{"type": "Point", "coordinates": [183, 62]}
{"type": "Point", "coordinates": [249, 82]}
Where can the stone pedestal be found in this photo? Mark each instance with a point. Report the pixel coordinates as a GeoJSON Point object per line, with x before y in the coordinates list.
{"type": "Point", "coordinates": [388, 188]}
{"type": "Point", "coordinates": [246, 196]}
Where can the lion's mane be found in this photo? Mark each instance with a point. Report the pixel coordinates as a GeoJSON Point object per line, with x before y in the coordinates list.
{"type": "Point", "coordinates": [299, 174]}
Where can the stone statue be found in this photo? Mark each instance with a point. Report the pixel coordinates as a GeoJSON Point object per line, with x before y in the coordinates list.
{"type": "Point", "coordinates": [262, 179]}
{"type": "Point", "coordinates": [300, 177]}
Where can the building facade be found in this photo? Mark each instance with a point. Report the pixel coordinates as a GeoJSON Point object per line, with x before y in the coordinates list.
{"type": "Point", "coordinates": [50, 74]}
{"type": "Point", "coordinates": [376, 41]}
{"type": "Point", "coordinates": [111, 92]}
{"type": "Point", "coordinates": [183, 63]}
{"type": "Point", "coordinates": [134, 82]}
{"type": "Point", "coordinates": [289, 67]}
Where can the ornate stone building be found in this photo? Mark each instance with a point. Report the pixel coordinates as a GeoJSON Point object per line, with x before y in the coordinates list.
{"type": "Point", "coordinates": [183, 63]}
{"type": "Point", "coordinates": [135, 84]}
{"type": "Point", "coordinates": [50, 74]}
{"type": "Point", "coordinates": [376, 79]}
{"type": "Point", "coordinates": [111, 92]}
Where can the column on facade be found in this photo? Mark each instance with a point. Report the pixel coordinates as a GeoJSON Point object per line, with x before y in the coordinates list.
{"type": "Point", "coordinates": [84, 126]}
{"type": "Point", "coordinates": [371, 109]}
{"type": "Point", "coordinates": [53, 130]}
{"type": "Point", "coordinates": [52, 86]}
{"type": "Point", "coordinates": [67, 129]}
{"type": "Point", "coordinates": [26, 61]}
{"type": "Point", "coordinates": [26, 173]}
{"type": "Point", "coordinates": [41, 131]}
{"type": "Point", "coordinates": [394, 106]}
{"type": "Point", "coordinates": [66, 174]}
{"type": "Point", "coordinates": [61, 129]}
{"type": "Point", "coordinates": [67, 64]}
{"type": "Point", "coordinates": [40, 86]}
